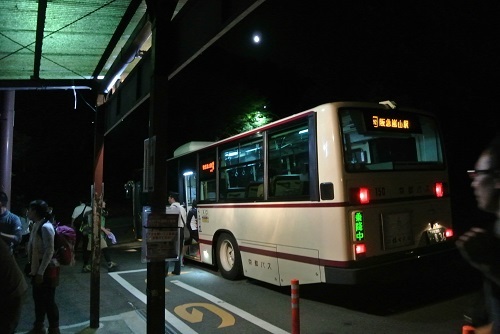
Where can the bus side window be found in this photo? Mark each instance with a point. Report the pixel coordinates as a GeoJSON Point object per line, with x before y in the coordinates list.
{"type": "Point", "coordinates": [235, 193]}
{"type": "Point", "coordinates": [253, 190]}
{"type": "Point", "coordinates": [305, 187]}
{"type": "Point", "coordinates": [287, 185]}
{"type": "Point", "coordinates": [358, 156]}
{"type": "Point", "coordinates": [207, 190]}
{"type": "Point", "coordinates": [222, 190]}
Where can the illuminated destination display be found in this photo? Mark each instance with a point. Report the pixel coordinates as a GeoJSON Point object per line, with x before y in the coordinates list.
{"type": "Point", "coordinates": [381, 122]}
{"type": "Point", "coordinates": [394, 121]}
{"type": "Point", "coordinates": [209, 166]}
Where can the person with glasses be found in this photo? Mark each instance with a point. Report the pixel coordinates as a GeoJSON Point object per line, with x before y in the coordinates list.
{"type": "Point", "coordinates": [479, 246]}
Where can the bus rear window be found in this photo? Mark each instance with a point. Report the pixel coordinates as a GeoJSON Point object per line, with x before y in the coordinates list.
{"type": "Point", "coordinates": [390, 140]}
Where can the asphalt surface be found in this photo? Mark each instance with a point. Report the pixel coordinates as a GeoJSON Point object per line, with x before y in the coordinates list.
{"type": "Point", "coordinates": [122, 312]}
{"type": "Point", "coordinates": [73, 295]}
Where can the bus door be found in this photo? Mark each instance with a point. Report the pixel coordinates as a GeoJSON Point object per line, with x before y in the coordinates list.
{"type": "Point", "coordinates": [189, 180]}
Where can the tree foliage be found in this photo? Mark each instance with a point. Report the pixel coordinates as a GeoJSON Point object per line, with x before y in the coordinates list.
{"type": "Point", "coordinates": [252, 114]}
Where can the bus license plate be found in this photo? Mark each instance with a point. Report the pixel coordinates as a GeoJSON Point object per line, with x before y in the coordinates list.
{"type": "Point", "coordinates": [436, 235]}
{"type": "Point", "coordinates": [397, 230]}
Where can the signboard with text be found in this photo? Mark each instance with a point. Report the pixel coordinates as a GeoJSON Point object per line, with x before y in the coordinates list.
{"type": "Point", "coordinates": [160, 237]}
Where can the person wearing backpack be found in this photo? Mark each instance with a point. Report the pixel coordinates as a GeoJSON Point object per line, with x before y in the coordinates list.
{"type": "Point", "coordinates": [176, 208]}
{"type": "Point", "coordinates": [105, 233]}
{"type": "Point", "coordinates": [79, 220]}
{"type": "Point", "coordinates": [192, 219]}
{"type": "Point", "coordinates": [43, 268]}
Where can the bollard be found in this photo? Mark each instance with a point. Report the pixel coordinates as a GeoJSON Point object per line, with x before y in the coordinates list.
{"type": "Point", "coordinates": [295, 307]}
{"type": "Point", "coordinates": [467, 329]}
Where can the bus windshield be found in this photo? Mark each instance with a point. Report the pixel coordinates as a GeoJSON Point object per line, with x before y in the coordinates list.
{"type": "Point", "coordinates": [380, 140]}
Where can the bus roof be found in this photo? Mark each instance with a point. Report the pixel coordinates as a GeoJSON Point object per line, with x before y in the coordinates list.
{"type": "Point", "coordinates": [191, 146]}
{"type": "Point", "coordinates": [197, 145]}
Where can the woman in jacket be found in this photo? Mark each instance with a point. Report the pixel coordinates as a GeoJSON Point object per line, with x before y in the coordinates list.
{"type": "Point", "coordinates": [44, 269]}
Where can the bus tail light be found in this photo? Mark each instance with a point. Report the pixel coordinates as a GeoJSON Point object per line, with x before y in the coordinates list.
{"type": "Point", "coordinates": [360, 195]}
{"type": "Point", "coordinates": [448, 233]}
{"type": "Point", "coordinates": [360, 249]}
{"type": "Point", "coordinates": [439, 189]}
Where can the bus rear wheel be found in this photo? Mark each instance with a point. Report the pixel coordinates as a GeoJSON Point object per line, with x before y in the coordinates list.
{"type": "Point", "coordinates": [229, 257]}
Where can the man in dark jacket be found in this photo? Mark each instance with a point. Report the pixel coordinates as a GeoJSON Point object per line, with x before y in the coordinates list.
{"type": "Point", "coordinates": [480, 246]}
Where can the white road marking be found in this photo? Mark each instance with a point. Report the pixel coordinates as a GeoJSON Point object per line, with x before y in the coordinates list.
{"type": "Point", "coordinates": [180, 325]}
{"type": "Point", "coordinates": [231, 308]}
{"type": "Point", "coordinates": [169, 317]}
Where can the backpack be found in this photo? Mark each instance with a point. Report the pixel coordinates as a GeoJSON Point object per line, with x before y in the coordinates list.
{"type": "Point", "coordinates": [81, 218]}
{"type": "Point", "coordinates": [64, 244]}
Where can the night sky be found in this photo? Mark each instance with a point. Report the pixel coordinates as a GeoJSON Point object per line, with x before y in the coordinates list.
{"type": "Point", "coordinates": [443, 57]}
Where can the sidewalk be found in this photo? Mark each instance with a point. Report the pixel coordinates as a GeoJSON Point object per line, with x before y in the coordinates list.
{"type": "Point", "coordinates": [118, 313]}
{"type": "Point", "coordinates": [129, 322]}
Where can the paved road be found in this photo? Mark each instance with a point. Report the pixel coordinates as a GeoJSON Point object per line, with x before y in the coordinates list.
{"type": "Point", "coordinates": [247, 306]}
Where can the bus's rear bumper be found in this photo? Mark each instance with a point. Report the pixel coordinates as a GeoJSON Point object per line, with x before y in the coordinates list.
{"type": "Point", "coordinates": [397, 269]}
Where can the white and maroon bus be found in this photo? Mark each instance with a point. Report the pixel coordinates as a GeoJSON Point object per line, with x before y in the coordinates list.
{"type": "Point", "coordinates": [342, 193]}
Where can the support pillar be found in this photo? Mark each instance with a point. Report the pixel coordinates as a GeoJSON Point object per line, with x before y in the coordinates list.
{"type": "Point", "coordinates": [7, 101]}
{"type": "Point", "coordinates": [160, 13]}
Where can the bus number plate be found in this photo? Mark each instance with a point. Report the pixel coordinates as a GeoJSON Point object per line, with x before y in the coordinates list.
{"type": "Point", "coordinates": [436, 235]}
{"type": "Point", "coordinates": [397, 230]}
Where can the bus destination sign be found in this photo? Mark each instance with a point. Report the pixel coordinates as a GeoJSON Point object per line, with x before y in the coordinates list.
{"type": "Point", "coordinates": [393, 121]}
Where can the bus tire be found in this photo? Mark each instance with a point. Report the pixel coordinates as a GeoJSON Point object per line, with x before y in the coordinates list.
{"type": "Point", "coordinates": [229, 257]}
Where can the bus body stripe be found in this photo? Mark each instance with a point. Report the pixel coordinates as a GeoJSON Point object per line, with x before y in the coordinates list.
{"type": "Point", "coordinates": [311, 204]}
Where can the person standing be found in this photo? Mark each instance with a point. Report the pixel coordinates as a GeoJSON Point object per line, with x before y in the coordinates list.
{"type": "Point", "coordinates": [192, 220]}
{"type": "Point", "coordinates": [176, 207]}
{"type": "Point", "coordinates": [44, 270]}
{"type": "Point", "coordinates": [192, 224]}
{"type": "Point", "coordinates": [12, 289]}
{"type": "Point", "coordinates": [11, 230]}
{"type": "Point", "coordinates": [105, 233]}
{"type": "Point", "coordinates": [479, 246]}
{"type": "Point", "coordinates": [84, 212]}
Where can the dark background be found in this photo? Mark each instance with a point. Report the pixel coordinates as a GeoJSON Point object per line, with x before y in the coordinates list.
{"type": "Point", "coordinates": [442, 57]}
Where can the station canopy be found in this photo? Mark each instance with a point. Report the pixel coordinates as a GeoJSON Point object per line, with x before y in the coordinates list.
{"type": "Point", "coordinates": [59, 42]}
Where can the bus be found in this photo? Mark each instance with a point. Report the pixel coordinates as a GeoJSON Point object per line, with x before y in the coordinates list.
{"type": "Point", "coordinates": [343, 193]}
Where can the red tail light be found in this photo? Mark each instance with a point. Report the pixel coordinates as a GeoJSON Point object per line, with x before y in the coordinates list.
{"type": "Point", "coordinates": [439, 189]}
{"type": "Point", "coordinates": [448, 233]}
{"type": "Point", "coordinates": [360, 195]}
{"type": "Point", "coordinates": [360, 249]}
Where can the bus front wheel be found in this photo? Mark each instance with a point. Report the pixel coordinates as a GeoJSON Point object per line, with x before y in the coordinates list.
{"type": "Point", "coordinates": [229, 257]}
